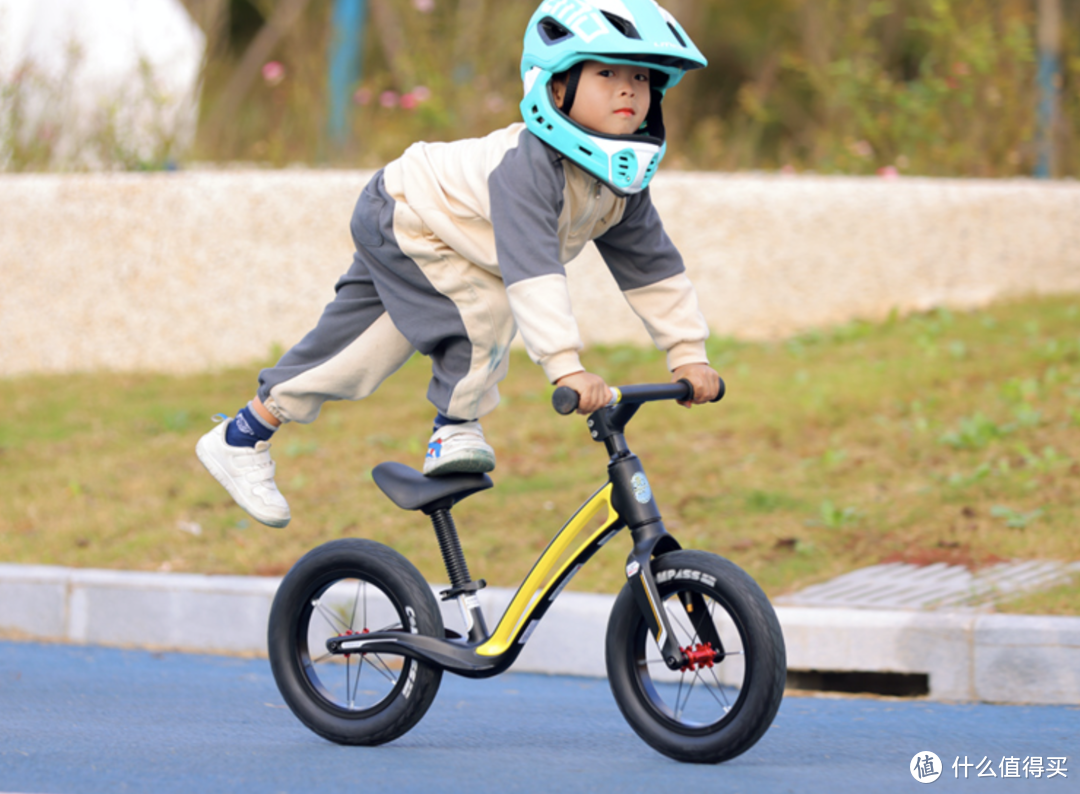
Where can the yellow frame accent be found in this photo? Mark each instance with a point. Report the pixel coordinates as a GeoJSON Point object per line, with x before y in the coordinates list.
{"type": "Point", "coordinates": [538, 584]}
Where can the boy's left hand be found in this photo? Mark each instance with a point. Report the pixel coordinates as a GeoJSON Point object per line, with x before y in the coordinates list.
{"type": "Point", "coordinates": [704, 379]}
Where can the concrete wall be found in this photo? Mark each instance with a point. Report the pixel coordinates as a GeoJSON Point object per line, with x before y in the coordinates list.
{"type": "Point", "coordinates": [185, 271]}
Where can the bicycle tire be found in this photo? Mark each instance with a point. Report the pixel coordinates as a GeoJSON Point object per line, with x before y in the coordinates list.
{"type": "Point", "coordinates": [352, 585]}
{"type": "Point", "coordinates": [739, 696]}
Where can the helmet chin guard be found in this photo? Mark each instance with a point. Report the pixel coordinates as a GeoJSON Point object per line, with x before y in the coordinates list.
{"type": "Point", "coordinates": [625, 163]}
{"type": "Point", "coordinates": [563, 33]}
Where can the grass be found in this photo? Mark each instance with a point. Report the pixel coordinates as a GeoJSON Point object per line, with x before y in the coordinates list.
{"type": "Point", "coordinates": [937, 437]}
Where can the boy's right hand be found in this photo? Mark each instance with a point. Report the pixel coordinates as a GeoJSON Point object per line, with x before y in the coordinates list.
{"type": "Point", "coordinates": [593, 393]}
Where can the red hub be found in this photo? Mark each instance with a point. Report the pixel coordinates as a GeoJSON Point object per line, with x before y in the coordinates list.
{"type": "Point", "coordinates": [349, 633]}
{"type": "Point", "coordinates": [701, 656]}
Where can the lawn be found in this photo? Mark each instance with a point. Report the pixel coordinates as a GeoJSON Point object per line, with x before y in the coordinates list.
{"type": "Point", "coordinates": [944, 436]}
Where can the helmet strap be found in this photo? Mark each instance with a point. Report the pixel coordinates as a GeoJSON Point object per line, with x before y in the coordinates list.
{"type": "Point", "coordinates": [654, 119]}
{"type": "Point", "coordinates": [573, 77]}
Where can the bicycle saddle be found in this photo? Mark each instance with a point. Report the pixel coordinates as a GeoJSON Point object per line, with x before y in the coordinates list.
{"type": "Point", "coordinates": [411, 490]}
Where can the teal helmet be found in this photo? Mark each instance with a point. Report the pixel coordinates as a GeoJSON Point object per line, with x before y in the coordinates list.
{"type": "Point", "coordinates": [563, 34]}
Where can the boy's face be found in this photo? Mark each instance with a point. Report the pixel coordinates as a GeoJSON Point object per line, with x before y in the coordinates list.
{"type": "Point", "coordinates": [612, 98]}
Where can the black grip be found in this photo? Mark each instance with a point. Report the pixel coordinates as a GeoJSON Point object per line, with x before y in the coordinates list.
{"type": "Point", "coordinates": [720, 394]}
{"type": "Point", "coordinates": [690, 388]}
{"type": "Point", "coordinates": [564, 400]}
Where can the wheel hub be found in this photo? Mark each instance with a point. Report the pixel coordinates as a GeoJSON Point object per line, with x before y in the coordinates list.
{"type": "Point", "coordinates": [698, 657]}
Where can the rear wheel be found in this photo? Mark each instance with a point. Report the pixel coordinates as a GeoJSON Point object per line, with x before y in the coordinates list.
{"type": "Point", "coordinates": [346, 587]}
{"type": "Point", "coordinates": [723, 702]}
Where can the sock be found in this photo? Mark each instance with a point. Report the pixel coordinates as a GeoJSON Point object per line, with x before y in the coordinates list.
{"type": "Point", "coordinates": [442, 421]}
{"type": "Point", "coordinates": [248, 428]}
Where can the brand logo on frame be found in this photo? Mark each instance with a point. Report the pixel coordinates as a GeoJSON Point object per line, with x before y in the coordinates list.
{"type": "Point", "coordinates": [640, 485]}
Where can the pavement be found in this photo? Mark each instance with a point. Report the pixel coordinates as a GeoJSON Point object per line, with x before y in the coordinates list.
{"type": "Point", "coordinates": [83, 719]}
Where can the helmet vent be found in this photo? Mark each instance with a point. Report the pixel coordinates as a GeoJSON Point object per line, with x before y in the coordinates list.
{"type": "Point", "coordinates": [678, 38]}
{"type": "Point", "coordinates": [540, 119]}
{"type": "Point", "coordinates": [551, 31]}
{"type": "Point", "coordinates": [624, 168]}
{"type": "Point", "coordinates": [651, 168]}
{"type": "Point", "coordinates": [623, 25]}
{"type": "Point", "coordinates": [587, 152]}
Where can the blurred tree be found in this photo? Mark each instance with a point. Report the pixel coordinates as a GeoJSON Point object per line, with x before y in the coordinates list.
{"type": "Point", "coordinates": [939, 87]}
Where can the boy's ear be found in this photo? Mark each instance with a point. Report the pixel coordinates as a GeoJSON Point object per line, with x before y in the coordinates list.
{"type": "Point", "coordinates": [558, 92]}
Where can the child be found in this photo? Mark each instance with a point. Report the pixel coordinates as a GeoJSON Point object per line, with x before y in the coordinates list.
{"type": "Point", "coordinates": [459, 245]}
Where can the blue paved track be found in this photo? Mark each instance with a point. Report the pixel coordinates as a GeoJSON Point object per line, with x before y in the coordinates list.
{"type": "Point", "coordinates": [80, 719]}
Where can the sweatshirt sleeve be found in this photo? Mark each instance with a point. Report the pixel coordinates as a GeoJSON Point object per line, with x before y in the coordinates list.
{"type": "Point", "coordinates": [526, 190]}
{"type": "Point", "coordinates": [650, 272]}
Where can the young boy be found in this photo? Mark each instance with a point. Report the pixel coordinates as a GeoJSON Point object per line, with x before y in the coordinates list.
{"type": "Point", "coordinates": [459, 245]}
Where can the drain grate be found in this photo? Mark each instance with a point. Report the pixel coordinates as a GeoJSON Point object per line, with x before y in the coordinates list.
{"type": "Point", "coordinates": [938, 586]}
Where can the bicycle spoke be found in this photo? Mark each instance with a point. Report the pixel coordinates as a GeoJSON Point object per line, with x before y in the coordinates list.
{"type": "Point", "coordinates": [356, 687]}
{"type": "Point", "coordinates": [352, 617]}
{"type": "Point", "coordinates": [675, 618]}
{"type": "Point", "coordinates": [348, 681]}
{"type": "Point", "coordinates": [689, 690]}
{"type": "Point", "coordinates": [330, 617]}
{"type": "Point", "coordinates": [724, 705]}
{"type": "Point", "coordinates": [381, 667]}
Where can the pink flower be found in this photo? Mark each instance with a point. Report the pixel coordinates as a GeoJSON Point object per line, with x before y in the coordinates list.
{"type": "Point", "coordinates": [388, 99]}
{"type": "Point", "coordinates": [273, 72]}
{"type": "Point", "coordinates": [422, 93]}
{"type": "Point", "coordinates": [424, 6]}
{"type": "Point", "coordinates": [409, 101]}
{"type": "Point", "coordinates": [362, 96]}
{"type": "Point", "coordinates": [888, 172]}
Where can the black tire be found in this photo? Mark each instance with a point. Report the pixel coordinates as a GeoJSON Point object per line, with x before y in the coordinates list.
{"type": "Point", "coordinates": [710, 714]}
{"type": "Point", "coordinates": [352, 585]}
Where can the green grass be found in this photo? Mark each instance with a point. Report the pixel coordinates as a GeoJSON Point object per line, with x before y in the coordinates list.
{"type": "Point", "coordinates": [937, 437]}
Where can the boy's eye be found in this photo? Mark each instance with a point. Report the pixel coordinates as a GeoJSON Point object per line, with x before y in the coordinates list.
{"type": "Point", "coordinates": [643, 77]}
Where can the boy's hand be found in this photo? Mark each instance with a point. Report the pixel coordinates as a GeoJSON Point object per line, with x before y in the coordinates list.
{"type": "Point", "coordinates": [704, 379]}
{"type": "Point", "coordinates": [593, 393]}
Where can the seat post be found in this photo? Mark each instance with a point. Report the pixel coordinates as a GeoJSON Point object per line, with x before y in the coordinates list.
{"type": "Point", "coordinates": [454, 558]}
{"type": "Point", "coordinates": [462, 586]}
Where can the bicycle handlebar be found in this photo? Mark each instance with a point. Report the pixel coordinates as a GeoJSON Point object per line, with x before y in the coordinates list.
{"type": "Point", "coordinates": [565, 399]}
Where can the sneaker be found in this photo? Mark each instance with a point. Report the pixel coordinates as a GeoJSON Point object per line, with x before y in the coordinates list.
{"type": "Point", "coordinates": [458, 449]}
{"type": "Point", "coordinates": [247, 474]}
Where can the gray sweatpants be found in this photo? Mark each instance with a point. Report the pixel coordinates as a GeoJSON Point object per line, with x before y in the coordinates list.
{"type": "Point", "coordinates": [386, 308]}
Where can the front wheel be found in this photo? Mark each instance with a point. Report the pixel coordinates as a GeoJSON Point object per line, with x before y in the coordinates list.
{"type": "Point", "coordinates": [719, 706]}
{"type": "Point", "coordinates": [352, 586]}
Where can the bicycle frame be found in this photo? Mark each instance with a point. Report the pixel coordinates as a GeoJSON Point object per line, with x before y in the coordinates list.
{"type": "Point", "coordinates": [628, 500]}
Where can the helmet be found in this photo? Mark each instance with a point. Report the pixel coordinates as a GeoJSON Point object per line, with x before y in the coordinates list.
{"type": "Point", "coordinates": [564, 33]}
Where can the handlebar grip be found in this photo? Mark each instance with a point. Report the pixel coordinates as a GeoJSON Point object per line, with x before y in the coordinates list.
{"type": "Point", "coordinates": [720, 394]}
{"type": "Point", "coordinates": [564, 400]}
{"type": "Point", "coordinates": [690, 390]}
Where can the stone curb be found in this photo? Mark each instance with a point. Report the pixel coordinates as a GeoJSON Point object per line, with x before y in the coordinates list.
{"type": "Point", "coordinates": [966, 656]}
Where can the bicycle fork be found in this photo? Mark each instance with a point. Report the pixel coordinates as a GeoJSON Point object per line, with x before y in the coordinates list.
{"type": "Point", "coordinates": [632, 499]}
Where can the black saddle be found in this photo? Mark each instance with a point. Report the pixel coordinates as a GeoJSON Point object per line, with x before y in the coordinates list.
{"type": "Point", "coordinates": [411, 490]}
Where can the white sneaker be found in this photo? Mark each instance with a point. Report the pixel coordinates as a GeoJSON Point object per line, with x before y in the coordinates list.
{"type": "Point", "coordinates": [247, 474]}
{"type": "Point", "coordinates": [458, 449]}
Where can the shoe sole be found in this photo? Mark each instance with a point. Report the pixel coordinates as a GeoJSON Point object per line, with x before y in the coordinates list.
{"type": "Point", "coordinates": [226, 481]}
{"type": "Point", "coordinates": [474, 464]}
